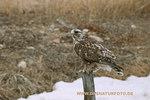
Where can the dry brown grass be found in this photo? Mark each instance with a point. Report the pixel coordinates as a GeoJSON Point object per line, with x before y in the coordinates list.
{"type": "Point", "coordinates": [16, 83]}
{"type": "Point", "coordinates": [51, 62]}
{"type": "Point", "coordinates": [73, 10]}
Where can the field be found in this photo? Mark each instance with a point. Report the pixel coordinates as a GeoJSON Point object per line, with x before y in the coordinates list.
{"type": "Point", "coordinates": [36, 47]}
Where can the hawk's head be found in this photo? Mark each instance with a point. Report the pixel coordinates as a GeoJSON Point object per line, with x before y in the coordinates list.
{"type": "Point", "coordinates": [76, 34]}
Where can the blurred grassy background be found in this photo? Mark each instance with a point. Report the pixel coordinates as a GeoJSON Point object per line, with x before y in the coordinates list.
{"type": "Point", "coordinates": [74, 11]}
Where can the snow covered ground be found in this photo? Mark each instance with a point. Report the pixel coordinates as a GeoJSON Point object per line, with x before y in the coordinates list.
{"type": "Point", "coordinates": [139, 86]}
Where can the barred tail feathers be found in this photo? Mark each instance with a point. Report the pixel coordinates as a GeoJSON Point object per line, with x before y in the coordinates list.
{"type": "Point", "coordinates": [117, 68]}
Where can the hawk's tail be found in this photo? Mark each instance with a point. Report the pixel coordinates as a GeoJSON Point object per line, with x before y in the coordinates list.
{"type": "Point", "coordinates": [117, 68]}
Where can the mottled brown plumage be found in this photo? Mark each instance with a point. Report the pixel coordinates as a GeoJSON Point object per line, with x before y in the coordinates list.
{"type": "Point", "coordinates": [92, 52]}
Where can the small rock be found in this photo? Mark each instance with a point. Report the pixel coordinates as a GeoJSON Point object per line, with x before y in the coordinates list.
{"type": "Point", "coordinates": [71, 25]}
{"type": "Point", "coordinates": [5, 27]}
{"type": "Point", "coordinates": [107, 38]}
{"type": "Point", "coordinates": [140, 47]}
{"type": "Point", "coordinates": [139, 58]}
{"type": "Point", "coordinates": [56, 29]}
{"type": "Point", "coordinates": [91, 33]}
{"type": "Point", "coordinates": [2, 46]}
{"type": "Point", "coordinates": [133, 26]}
{"type": "Point", "coordinates": [52, 26]}
{"type": "Point", "coordinates": [22, 64]}
{"type": "Point", "coordinates": [31, 48]}
{"type": "Point", "coordinates": [34, 28]}
{"type": "Point", "coordinates": [30, 22]}
{"type": "Point", "coordinates": [30, 61]}
{"type": "Point", "coordinates": [42, 26]}
{"type": "Point", "coordinates": [51, 29]}
{"type": "Point", "coordinates": [85, 30]}
{"type": "Point", "coordinates": [42, 32]}
{"type": "Point", "coordinates": [66, 39]}
{"type": "Point", "coordinates": [42, 46]}
{"type": "Point", "coordinates": [96, 38]}
{"type": "Point", "coordinates": [56, 40]}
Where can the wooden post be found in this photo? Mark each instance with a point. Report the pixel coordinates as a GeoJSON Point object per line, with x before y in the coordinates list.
{"type": "Point", "coordinates": [89, 88]}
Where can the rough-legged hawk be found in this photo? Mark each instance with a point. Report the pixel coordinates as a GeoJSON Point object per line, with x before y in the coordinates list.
{"type": "Point", "coordinates": [92, 52]}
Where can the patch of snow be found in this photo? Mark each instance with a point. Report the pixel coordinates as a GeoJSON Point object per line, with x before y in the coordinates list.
{"type": "Point", "coordinates": [140, 86]}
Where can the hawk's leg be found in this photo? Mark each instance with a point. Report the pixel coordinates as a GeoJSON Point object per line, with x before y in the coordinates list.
{"type": "Point", "coordinates": [84, 65]}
